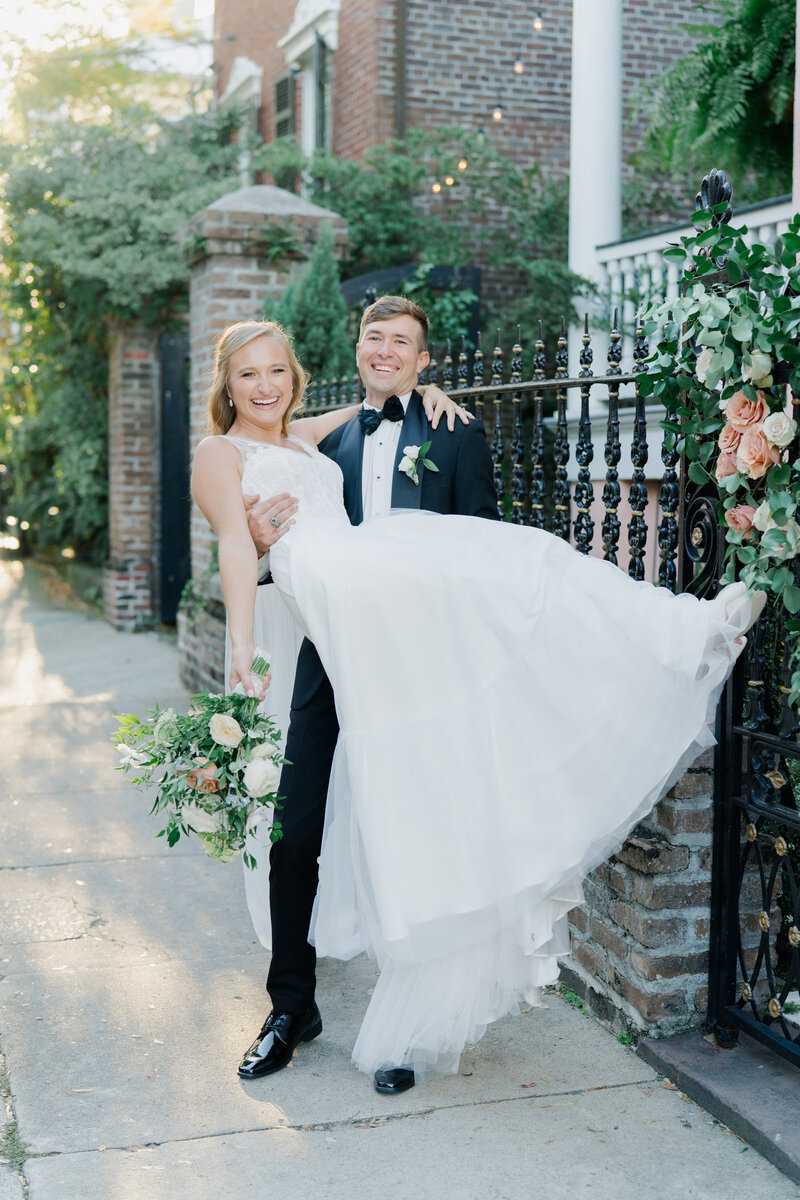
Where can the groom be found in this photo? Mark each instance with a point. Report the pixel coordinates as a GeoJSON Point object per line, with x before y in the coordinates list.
{"type": "Point", "coordinates": [370, 449]}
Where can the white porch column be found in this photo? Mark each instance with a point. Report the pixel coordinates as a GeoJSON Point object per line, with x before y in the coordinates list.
{"type": "Point", "coordinates": [595, 203]}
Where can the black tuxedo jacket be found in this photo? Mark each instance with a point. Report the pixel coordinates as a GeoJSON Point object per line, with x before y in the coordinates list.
{"type": "Point", "coordinates": [463, 485]}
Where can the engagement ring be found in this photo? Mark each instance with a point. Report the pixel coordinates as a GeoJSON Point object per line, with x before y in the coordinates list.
{"type": "Point", "coordinates": [274, 522]}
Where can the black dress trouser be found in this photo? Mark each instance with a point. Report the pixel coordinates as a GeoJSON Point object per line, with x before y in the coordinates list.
{"type": "Point", "coordinates": [294, 869]}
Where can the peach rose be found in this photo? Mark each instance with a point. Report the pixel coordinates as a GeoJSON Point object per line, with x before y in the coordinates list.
{"type": "Point", "coordinates": [203, 778]}
{"type": "Point", "coordinates": [740, 518]}
{"type": "Point", "coordinates": [726, 464]}
{"type": "Point", "coordinates": [743, 414]}
{"type": "Point", "coordinates": [729, 438]}
{"type": "Point", "coordinates": [755, 456]}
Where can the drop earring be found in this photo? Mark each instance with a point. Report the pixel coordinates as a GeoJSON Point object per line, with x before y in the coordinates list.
{"type": "Point", "coordinates": [230, 399]}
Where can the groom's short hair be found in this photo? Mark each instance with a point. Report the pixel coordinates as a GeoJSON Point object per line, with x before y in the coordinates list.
{"type": "Point", "coordinates": [387, 307]}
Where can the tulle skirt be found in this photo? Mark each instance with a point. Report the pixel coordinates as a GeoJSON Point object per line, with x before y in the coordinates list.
{"type": "Point", "coordinates": [509, 709]}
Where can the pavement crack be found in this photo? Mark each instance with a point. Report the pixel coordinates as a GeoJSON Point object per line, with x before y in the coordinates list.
{"type": "Point", "coordinates": [12, 1148]}
{"type": "Point", "coordinates": [355, 1122]}
{"type": "Point", "coordinates": [91, 862]}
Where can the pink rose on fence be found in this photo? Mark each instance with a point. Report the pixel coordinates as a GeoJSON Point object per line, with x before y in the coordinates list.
{"type": "Point", "coordinates": [729, 439]}
{"type": "Point", "coordinates": [743, 414]}
{"type": "Point", "coordinates": [726, 464]}
{"type": "Point", "coordinates": [740, 518]}
{"type": "Point", "coordinates": [755, 456]}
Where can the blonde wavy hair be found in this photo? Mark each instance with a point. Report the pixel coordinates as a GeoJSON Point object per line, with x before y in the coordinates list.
{"type": "Point", "coordinates": [221, 414]}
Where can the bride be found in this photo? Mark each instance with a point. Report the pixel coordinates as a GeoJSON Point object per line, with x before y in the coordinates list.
{"type": "Point", "coordinates": [508, 710]}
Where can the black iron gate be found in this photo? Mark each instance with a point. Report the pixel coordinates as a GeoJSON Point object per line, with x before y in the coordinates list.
{"type": "Point", "coordinates": [755, 930]}
{"type": "Point", "coordinates": [174, 562]}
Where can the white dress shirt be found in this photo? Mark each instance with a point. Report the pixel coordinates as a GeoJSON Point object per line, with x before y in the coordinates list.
{"type": "Point", "coordinates": [377, 465]}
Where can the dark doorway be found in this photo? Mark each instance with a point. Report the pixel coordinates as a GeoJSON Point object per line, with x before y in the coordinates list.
{"type": "Point", "coordinates": [175, 502]}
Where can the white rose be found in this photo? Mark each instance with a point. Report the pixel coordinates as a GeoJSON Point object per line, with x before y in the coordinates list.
{"type": "Point", "coordinates": [703, 363]}
{"type": "Point", "coordinates": [265, 750]}
{"type": "Point", "coordinates": [759, 371]}
{"type": "Point", "coordinates": [789, 545]}
{"type": "Point", "coordinates": [763, 517]}
{"type": "Point", "coordinates": [129, 755]}
{"type": "Point", "coordinates": [225, 730]}
{"type": "Point", "coordinates": [779, 429]}
{"type": "Point", "coordinates": [261, 775]}
{"type": "Point", "coordinates": [200, 820]}
{"type": "Point", "coordinates": [255, 815]}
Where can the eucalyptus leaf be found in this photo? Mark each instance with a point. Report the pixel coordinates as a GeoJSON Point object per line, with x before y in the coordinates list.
{"type": "Point", "coordinates": [698, 474]}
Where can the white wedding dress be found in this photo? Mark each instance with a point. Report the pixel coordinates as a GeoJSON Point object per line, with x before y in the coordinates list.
{"type": "Point", "coordinates": [509, 709]}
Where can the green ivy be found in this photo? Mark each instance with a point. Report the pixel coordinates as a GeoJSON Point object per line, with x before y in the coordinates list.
{"type": "Point", "coordinates": [92, 223]}
{"type": "Point", "coordinates": [725, 349]}
{"type": "Point", "coordinates": [729, 98]}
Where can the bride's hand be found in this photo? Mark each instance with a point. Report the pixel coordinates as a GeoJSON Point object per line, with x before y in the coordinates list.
{"type": "Point", "coordinates": [241, 672]}
{"type": "Point", "coordinates": [436, 402]}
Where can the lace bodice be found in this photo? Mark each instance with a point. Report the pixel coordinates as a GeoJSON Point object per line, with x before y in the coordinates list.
{"type": "Point", "coordinates": [313, 478]}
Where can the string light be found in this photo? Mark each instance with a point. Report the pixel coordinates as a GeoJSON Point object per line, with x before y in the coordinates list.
{"type": "Point", "coordinates": [462, 164]}
{"type": "Point", "coordinates": [449, 180]}
{"type": "Point", "coordinates": [538, 23]}
{"type": "Point", "coordinates": [437, 187]}
{"type": "Point", "coordinates": [518, 66]}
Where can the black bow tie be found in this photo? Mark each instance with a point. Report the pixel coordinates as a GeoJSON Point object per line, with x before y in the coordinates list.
{"type": "Point", "coordinates": [370, 418]}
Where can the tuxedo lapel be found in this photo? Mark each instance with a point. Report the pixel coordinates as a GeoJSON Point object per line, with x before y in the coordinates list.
{"type": "Point", "coordinates": [413, 432]}
{"type": "Point", "coordinates": [349, 456]}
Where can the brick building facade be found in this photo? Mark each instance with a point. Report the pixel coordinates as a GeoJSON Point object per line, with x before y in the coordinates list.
{"type": "Point", "coordinates": [379, 67]}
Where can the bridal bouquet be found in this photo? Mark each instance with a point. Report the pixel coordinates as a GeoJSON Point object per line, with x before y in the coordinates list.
{"type": "Point", "coordinates": [216, 769]}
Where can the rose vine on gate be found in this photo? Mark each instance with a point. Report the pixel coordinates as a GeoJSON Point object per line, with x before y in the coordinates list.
{"type": "Point", "coordinates": [725, 351]}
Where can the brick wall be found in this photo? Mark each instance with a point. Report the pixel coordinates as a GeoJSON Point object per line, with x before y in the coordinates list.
{"type": "Point", "coordinates": [364, 88]}
{"type": "Point", "coordinates": [640, 947]}
{"type": "Point", "coordinates": [460, 58]}
{"type": "Point", "coordinates": [129, 576]}
{"type": "Point", "coordinates": [201, 637]}
{"type": "Point", "coordinates": [252, 29]}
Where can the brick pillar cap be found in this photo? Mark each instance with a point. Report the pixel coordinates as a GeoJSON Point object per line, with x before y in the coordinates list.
{"type": "Point", "coordinates": [266, 200]}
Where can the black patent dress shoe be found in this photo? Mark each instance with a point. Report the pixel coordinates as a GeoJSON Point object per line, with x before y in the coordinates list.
{"type": "Point", "coordinates": [275, 1044]}
{"type": "Point", "coordinates": [393, 1081]}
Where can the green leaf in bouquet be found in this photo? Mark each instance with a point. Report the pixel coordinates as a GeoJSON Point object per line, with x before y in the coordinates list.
{"type": "Point", "coordinates": [791, 597]}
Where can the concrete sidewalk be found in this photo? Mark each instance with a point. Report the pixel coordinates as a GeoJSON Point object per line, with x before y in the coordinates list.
{"type": "Point", "coordinates": [131, 982]}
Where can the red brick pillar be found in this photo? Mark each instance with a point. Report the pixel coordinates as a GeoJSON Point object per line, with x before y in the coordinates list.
{"type": "Point", "coordinates": [133, 475]}
{"type": "Point", "coordinates": [232, 273]}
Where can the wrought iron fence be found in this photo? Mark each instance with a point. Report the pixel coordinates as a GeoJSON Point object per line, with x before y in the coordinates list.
{"type": "Point", "coordinates": [754, 977]}
{"type": "Point", "coordinates": [538, 438]}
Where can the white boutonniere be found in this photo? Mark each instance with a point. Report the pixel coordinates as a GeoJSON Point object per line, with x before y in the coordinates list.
{"type": "Point", "coordinates": [414, 460]}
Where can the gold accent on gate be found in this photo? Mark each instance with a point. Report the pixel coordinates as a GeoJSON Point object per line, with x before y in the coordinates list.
{"type": "Point", "coordinates": [752, 832]}
{"type": "Point", "coordinates": [763, 921]}
{"type": "Point", "coordinates": [747, 991]}
{"type": "Point", "coordinates": [697, 537]}
{"type": "Point", "coordinates": [794, 935]}
{"type": "Point", "coordinates": [774, 1007]}
{"type": "Point", "coordinates": [776, 779]}
{"type": "Point", "coordinates": [780, 847]}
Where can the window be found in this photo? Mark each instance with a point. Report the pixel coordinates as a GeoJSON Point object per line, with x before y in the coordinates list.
{"type": "Point", "coordinates": [284, 106]}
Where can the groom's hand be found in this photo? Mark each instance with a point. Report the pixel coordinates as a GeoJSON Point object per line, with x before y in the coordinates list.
{"type": "Point", "coordinates": [262, 516]}
{"type": "Point", "coordinates": [436, 402]}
